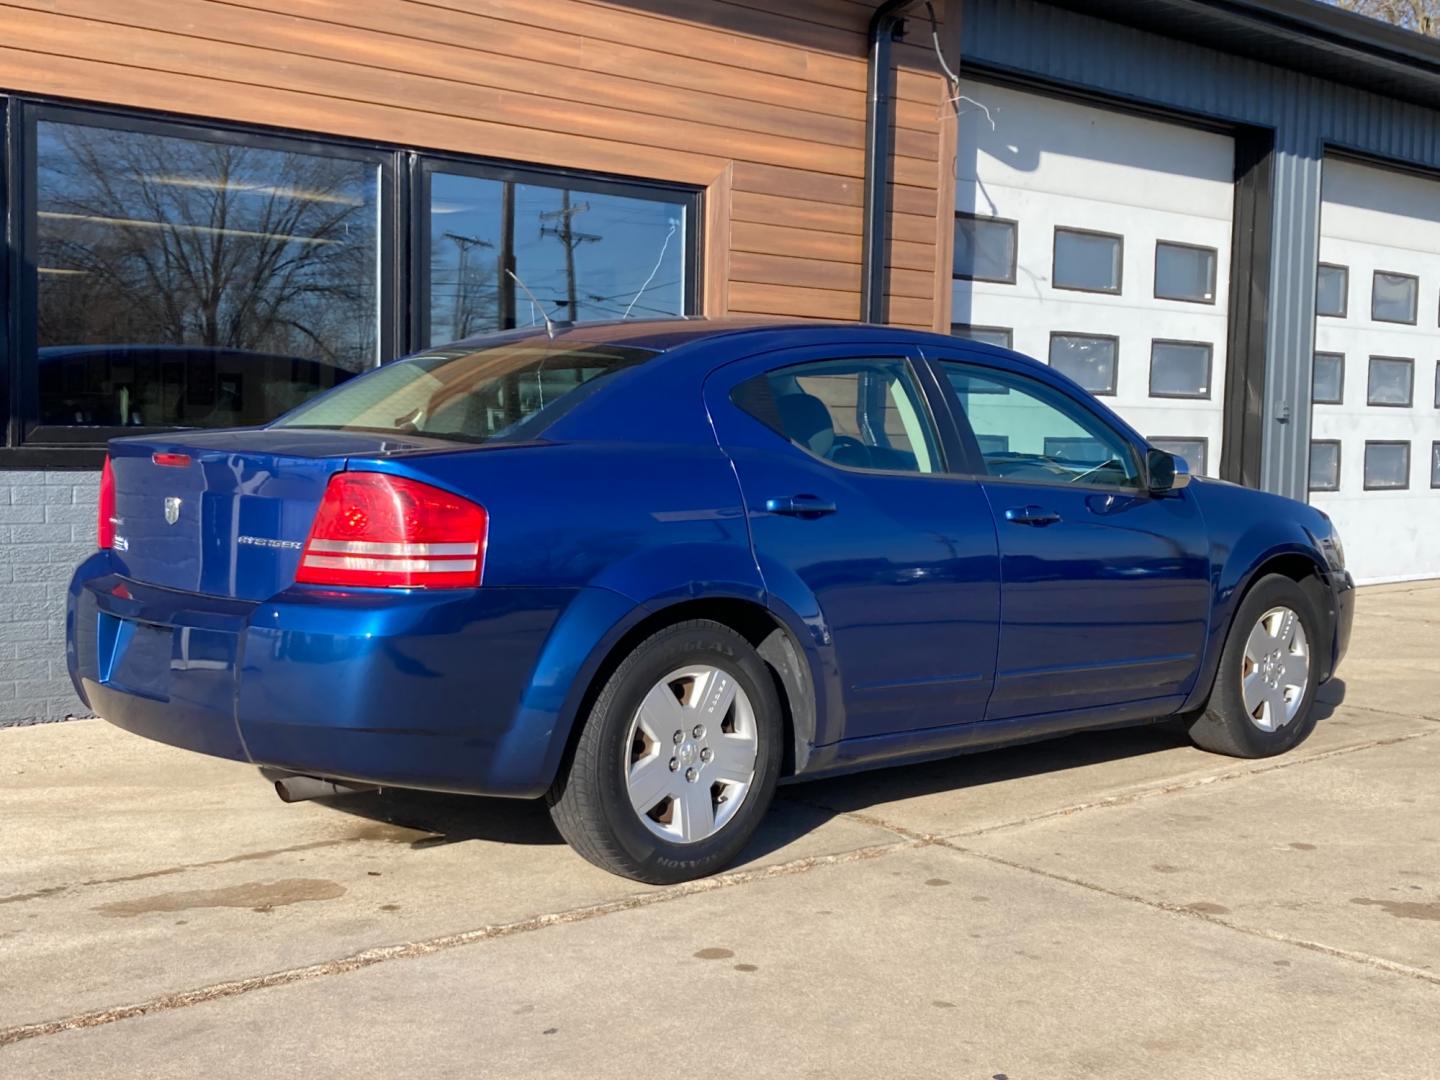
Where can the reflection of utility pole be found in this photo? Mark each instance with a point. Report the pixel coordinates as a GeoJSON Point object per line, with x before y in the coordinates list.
{"type": "Point", "coordinates": [460, 319]}
{"type": "Point", "coordinates": [564, 232]}
{"type": "Point", "coordinates": [507, 255]}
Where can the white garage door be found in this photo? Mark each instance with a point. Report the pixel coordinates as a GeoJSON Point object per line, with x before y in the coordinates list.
{"type": "Point", "coordinates": [1375, 454]}
{"type": "Point", "coordinates": [1100, 242]}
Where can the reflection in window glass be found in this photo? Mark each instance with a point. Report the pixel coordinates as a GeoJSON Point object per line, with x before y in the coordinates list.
{"type": "Point", "coordinates": [1184, 272]}
{"type": "Point", "coordinates": [1394, 297]}
{"type": "Point", "coordinates": [1387, 465]}
{"type": "Point", "coordinates": [1192, 450]}
{"type": "Point", "coordinates": [1086, 260]}
{"type": "Point", "coordinates": [1327, 379]}
{"type": "Point", "coordinates": [584, 256]}
{"type": "Point", "coordinates": [984, 248]}
{"type": "Point", "coordinates": [1332, 287]}
{"type": "Point", "coordinates": [1180, 369]}
{"type": "Point", "coordinates": [988, 335]}
{"type": "Point", "coordinates": [1088, 359]}
{"type": "Point", "coordinates": [197, 284]}
{"type": "Point", "coordinates": [1391, 380]}
{"type": "Point", "coordinates": [1325, 465]}
{"type": "Point", "coordinates": [1030, 432]}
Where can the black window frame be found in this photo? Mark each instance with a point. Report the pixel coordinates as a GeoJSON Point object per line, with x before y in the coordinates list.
{"type": "Point", "coordinates": [1115, 371]}
{"type": "Point", "coordinates": [955, 275]}
{"type": "Point", "coordinates": [1327, 401]}
{"type": "Point", "coordinates": [1309, 459]}
{"type": "Point", "coordinates": [1209, 348]}
{"type": "Point", "coordinates": [1077, 231]}
{"type": "Point", "coordinates": [399, 276]}
{"type": "Point", "coordinates": [1214, 273]}
{"type": "Point", "coordinates": [1415, 318]}
{"type": "Point", "coordinates": [1365, 473]}
{"type": "Point", "coordinates": [1344, 312]}
{"type": "Point", "coordinates": [1409, 401]}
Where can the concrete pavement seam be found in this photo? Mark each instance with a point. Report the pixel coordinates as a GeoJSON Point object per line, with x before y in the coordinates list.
{"type": "Point", "coordinates": [410, 950]}
{"type": "Point", "coordinates": [1392, 966]}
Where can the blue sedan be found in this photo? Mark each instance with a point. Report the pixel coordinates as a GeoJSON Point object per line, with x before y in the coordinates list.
{"type": "Point", "coordinates": [648, 571]}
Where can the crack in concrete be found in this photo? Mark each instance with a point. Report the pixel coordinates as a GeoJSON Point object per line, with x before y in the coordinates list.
{"type": "Point", "coordinates": [411, 950]}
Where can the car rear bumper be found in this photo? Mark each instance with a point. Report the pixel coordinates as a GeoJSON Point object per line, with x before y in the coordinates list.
{"type": "Point", "coordinates": [406, 688]}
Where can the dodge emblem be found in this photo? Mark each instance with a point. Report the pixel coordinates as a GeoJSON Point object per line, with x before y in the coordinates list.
{"type": "Point", "coordinates": [172, 509]}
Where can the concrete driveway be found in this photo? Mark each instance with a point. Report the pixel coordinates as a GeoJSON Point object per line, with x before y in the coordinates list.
{"type": "Point", "coordinates": [1112, 905]}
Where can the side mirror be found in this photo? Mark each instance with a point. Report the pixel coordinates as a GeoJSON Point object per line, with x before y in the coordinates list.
{"type": "Point", "coordinates": [1165, 472]}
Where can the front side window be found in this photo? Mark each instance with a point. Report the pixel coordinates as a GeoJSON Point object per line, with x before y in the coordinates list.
{"type": "Point", "coordinates": [1088, 261]}
{"type": "Point", "coordinates": [1327, 379]}
{"type": "Point", "coordinates": [1032, 433]}
{"type": "Point", "coordinates": [185, 282]}
{"type": "Point", "coordinates": [1192, 450]}
{"type": "Point", "coordinates": [1090, 359]}
{"type": "Point", "coordinates": [583, 254]}
{"type": "Point", "coordinates": [1184, 272]}
{"type": "Point", "coordinates": [861, 414]}
{"type": "Point", "coordinates": [506, 391]}
{"type": "Point", "coordinates": [984, 249]}
{"type": "Point", "coordinates": [1332, 289]}
{"type": "Point", "coordinates": [1394, 297]}
{"type": "Point", "coordinates": [1392, 381]}
{"type": "Point", "coordinates": [1325, 465]}
{"type": "Point", "coordinates": [1180, 369]}
{"type": "Point", "coordinates": [1387, 465]}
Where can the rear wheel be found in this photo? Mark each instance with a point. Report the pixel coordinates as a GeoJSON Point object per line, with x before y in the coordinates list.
{"type": "Point", "coordinates": [1264, 689]}
{"type": "Point", "coordinates": [678, 759]}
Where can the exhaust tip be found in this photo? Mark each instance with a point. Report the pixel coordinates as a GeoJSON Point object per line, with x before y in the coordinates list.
{"type": "Point", "coordinates": [296, 787]}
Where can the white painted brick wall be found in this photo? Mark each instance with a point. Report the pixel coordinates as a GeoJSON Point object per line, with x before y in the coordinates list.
{"type": "Point", "coordinates": [47, 526]}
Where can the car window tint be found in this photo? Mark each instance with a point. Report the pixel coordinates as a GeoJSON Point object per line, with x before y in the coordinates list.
{"type": "Point", "coordinates": [1033, 433]}
{"type": "Point", "coordinates": [864, 414]}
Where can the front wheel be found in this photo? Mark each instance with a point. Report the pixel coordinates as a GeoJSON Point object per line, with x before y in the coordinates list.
{"type": "Point", "coordinates": [678, 759]}
{"type": "Point", "coordinates": [1264, 690]}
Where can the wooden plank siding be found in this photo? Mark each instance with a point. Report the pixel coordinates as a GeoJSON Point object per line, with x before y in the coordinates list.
{"type": "Point", "coordinates": [760, 105]}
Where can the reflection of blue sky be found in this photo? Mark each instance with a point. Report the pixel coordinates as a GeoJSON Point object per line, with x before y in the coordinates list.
{"type": "Point", "coordinates": [618, 243]}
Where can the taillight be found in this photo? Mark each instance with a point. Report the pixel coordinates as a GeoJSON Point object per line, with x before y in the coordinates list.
{"type": "Point", "coordinates": [105, 527]}
{"type": "Point", "coordinates": [385, 531]}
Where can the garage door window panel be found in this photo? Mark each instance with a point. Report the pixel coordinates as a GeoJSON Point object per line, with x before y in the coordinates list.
{"type": "Point", "coordinates": [1437, 385]}
{"type": "Point", "coordinates": [1086, 261]}
{"type": "Point", "coordinates": [1327, 379]}
{"type": "Point", "coordinates": [1435, 465]}
{"type": "Point", "coordinates": [1332, 291]}
{"type": "Point", "coordinates": [1391, 381]}
{"type": "Point", "coordinates": [1180, 369]}
{"type": "Point", "coordinates": [1387, 466]}
{"type": "Point", "coordinates": [1325, 465]}
{"type": "Point", "coordinates": [985, 248]}
{"type": "Point", "coordinates": [1091, 360]}
{"type": "Point", "coordinates": [1001, 336]}
{"type": "Point", "coordinates": [1394, 298]}
{"type": "Point", "coordinates": [1185, 272]}
{"type": "Point", "coordinates": [1194, 449]}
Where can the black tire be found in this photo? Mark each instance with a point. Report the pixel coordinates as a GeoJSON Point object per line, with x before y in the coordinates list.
{"type": "Point", "coordinates": [1224, 726]}
{"type": "Point", "coordinates": [589, 801]}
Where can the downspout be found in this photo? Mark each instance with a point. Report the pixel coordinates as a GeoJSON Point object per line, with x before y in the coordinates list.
{"type": "Point", "coordinates": [874, 240]}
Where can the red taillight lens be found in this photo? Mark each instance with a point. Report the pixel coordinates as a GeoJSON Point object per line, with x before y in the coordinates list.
{"type": "Point", "coordinates": [105, 527]}
{"type": "Point", "coordinates": [171, 461]}
{"type": "Point", "coordinates": [385, 531]}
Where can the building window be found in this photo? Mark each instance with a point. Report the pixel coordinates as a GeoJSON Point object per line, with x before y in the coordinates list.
{"type": "Point", "coordinates": [1437, 385]}
{"type": "Point", "coordinates": [584, 251]}
{"type": "Point", "coordinates": [1090, 359]}
{"type": "Point", "coordinates": [1001, 336]}
{"type": "Point", "coordinates": [1180, 369]}
{"type": "Point", "coordinates": [1394, 297]}
{"type": "Point", "coordinates": [1435, 464]}
{"type": "Point", "coordinates": [985, 248]}
{"type": "Point", "coordinates": [185, 280]}
{"type": "Point", "coordinates": [1184, 272]}
{"type": "Point", "coordinates": [1087, 261]}
{"type": "Point", "coordinates": [1387, 466]}
{"type": "Point", "coordinates": [1192, 449]}
{"type": "Point", "coordinates": [1327, 379]}
{"type": "Point", "coordinates": [1392, 380]}
{"type": "Point", "coordinates": [1325, 465]}
{"type": "Point", "coordinates": [1332, 290]}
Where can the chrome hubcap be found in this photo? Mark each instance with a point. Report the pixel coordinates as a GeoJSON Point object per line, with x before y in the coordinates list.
{"type": "Point", "coordinates": [1276, 669]}
{"type": "Point", "coordinates": [692, 754]}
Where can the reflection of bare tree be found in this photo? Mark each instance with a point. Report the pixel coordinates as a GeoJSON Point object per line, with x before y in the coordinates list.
{"type": "Point", "coordinates": [475, 304]}
{"type": "Point", "coordinates": [169, 241]}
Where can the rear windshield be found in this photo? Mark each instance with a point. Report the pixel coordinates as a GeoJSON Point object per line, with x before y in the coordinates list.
{"type": "Point", "coordinates": [505, 391]}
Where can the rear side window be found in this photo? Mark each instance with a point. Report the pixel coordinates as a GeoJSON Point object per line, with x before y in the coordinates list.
{"type": "Point", "coordinates": [506, 391]}
{"type": "Point", "coordinates": [863, 414]}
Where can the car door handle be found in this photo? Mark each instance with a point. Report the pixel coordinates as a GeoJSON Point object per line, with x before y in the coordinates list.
{"type": "Point", "coordinates": [1031, 515]}
{"type": "Point", "coordinates": [799, 506]}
